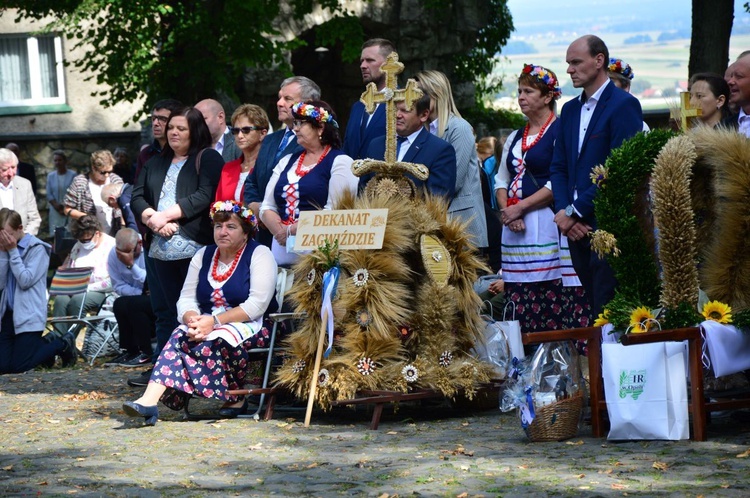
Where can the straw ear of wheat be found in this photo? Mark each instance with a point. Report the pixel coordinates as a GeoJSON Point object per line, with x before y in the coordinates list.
{"type": "Point", "coordinates": [673, 214]}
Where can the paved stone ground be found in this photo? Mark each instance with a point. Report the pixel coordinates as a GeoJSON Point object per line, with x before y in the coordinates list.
{"type": "Point", "coordinates": [64, 433]}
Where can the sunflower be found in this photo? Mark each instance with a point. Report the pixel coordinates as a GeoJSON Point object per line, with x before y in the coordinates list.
{"type": "Point", "coordinates": [640, 320]}
{"type": "Point", "coordinates": [602, 319]}
{"type": "Point", "coordinates": [717, 311]}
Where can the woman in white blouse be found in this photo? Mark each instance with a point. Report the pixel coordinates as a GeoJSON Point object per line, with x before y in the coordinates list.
{"type": "Point", "coordinates": [305, 181]}
{"type": "Point", "coordinates": [228, 291]}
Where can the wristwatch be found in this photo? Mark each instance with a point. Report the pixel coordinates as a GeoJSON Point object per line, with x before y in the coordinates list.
{"type": "Point", "coordinates": [217, 323]}
{"type": "Point", "coordinates": [569, 211]}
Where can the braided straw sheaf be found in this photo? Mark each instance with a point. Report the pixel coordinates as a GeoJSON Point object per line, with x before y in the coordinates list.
{"type": "Point", "coordinates": [725, 270]}
{"type": "Point", "coordinates": [670, 185]}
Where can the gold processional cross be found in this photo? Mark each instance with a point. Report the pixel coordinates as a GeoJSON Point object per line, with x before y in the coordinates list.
{"type": "Point", "coordinates": [685, 114]}
{"type": "Point", "coordinates": [390, 178]}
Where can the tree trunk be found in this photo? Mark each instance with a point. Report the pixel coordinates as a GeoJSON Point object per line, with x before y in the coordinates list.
{"type": "Point", "coordinates": [709, 43]}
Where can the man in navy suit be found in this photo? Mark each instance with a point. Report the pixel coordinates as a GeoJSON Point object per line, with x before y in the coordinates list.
{"type": "Point", "coordinates": [591, 127]}
{"type": "Point", "coordinates": [278, 144]}
{"type": "Point", "coordinates": [363, 127]}
{"type": "Point", "coordinates": [417, 145]}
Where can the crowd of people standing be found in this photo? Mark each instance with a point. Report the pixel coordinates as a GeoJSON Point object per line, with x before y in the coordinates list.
{"type": "Point", "coordinates": [192, 235]}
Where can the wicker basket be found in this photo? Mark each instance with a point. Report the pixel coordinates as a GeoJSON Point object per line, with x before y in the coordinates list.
{"type": "Point", "coordinates": [557, 421]}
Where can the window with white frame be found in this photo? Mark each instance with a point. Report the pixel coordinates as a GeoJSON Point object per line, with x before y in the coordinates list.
{"type": "Point", "coordinates": [31, 70]}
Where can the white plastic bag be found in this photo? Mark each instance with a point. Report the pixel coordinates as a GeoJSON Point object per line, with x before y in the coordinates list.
{"type": "Point", "coordinates": [728, 348]}
{"type": "Point", "coordinates": [512, 329]}
{"type": "Point", "coordinates": [646, 390]}
{"type": "Point", "coordinates": [494, 348]}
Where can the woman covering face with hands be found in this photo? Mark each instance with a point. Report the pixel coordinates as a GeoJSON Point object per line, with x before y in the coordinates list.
{"type": "Point", "coordinates": [24, 260]}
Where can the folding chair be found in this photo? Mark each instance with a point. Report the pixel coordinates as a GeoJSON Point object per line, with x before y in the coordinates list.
{"type": "Point", "coordinates": [71, 282]}
{"type": "Point", "coordinates": [284, 280]}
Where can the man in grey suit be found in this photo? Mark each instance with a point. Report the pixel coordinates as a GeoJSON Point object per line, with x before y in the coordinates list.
{"type": "Point", "coordinates": [278, 144]}
{"type": "Point", "coordinates": [221, 138]}
{"type": "Point", "coordinates": [16, 193]}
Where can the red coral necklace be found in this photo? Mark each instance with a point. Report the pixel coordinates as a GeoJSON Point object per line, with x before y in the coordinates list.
{"type": "Point", "coordinates": [524, 146]}
{"type": "Point", "coordinates": [303, 170]}
{"type": "Point", "coordinates": [215, 270]}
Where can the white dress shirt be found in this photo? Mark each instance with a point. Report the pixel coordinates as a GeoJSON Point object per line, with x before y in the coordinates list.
{"type": "Point", "coordinates": [407, 143]}
{"type": "Point", "coordinates": [587, 110]}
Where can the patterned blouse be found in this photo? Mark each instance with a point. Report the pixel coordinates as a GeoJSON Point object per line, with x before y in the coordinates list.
{"type": "Point", "coordinates": [177, 246]}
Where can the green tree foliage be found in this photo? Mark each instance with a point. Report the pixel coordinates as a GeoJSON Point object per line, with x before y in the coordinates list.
{"type": "Point", "coordinates": [183, 49]}
{"type": "Point", "coordinates": [478, 64]}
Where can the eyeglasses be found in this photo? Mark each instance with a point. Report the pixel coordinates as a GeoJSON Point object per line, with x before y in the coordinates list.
{"type": "Point", "coordinates": [245, 130]}
{"type": "Point", "coordinates": [161, 119]}
{"type": "Point", "coordinates": [103, 173]}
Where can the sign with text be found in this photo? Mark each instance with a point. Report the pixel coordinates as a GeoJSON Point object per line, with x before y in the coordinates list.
{"type": "Point", "coordinates": [353, 228]}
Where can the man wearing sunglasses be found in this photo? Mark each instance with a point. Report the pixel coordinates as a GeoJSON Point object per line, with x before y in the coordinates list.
{"type": "Point", "coordinates": [159, 117]}
{"type": "Point", "coordinates": [221, 137]}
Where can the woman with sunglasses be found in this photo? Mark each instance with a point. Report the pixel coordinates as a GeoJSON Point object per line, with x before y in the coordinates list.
{"type": "Point", "coordinates": [249, 127]}
{"type": "Point", "coordinates": [314, 178]}
{"type": "Point", "coordinates": [84, 195]}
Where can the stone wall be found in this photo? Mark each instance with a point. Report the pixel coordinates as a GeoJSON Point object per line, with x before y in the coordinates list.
{"type": "Point", "coordinates": [426, 38]}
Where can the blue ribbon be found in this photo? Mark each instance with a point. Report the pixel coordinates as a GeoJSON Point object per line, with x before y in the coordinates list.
{"type": "Point", "coordinates": [330, 282]}
{"type": "Point", "coordinates": [515, 368]}
{"type": "Point", "coordinates": [530, 404]}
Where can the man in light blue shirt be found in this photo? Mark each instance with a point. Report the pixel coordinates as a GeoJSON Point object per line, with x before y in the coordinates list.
{"type": "Point", "coordinates": [135, 317]}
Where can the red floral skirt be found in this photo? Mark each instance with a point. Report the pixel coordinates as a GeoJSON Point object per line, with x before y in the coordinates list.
{"type": "Point", "coordinates": [548, 305]}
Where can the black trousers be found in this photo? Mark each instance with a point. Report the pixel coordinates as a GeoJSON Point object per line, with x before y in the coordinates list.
{"type": "Point", "coordinates": [136, 322]}
{"type": "Point", "coordinates": [597, 277]}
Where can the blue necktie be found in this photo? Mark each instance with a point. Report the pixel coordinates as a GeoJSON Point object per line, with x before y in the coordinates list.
{"type": "Point", "coordinates": [284, 141]}
{"type": "Point", "coordinates": [399, 142]}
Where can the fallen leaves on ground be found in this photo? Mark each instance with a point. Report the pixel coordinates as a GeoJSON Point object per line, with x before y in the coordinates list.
{"type": "Point", "coordinates": [460, 450]}
{"type": "Point", "coordinates": [744, 454]}
{"type": "Point", "coordinates": [574, 443]}
{"type": "Point", "coordinates": [663, 466]}
{"type": "Point", "coordinates": [83, 396]}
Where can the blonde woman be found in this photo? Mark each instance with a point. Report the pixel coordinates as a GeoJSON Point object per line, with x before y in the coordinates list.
{"type": "Point", "coordinates": [446, 122]}
{"type": "Point", "coordinates": [84, 195]}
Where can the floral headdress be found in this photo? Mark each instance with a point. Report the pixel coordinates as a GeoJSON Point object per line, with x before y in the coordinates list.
{"type": "Point", "coordinates": [545, 76]}
{"type": "Point", "coordinates": [319, 114]}
{"type": "Point", "coordinates": [621, 67]}
{"type": "Point", "coordinates": [232, 206]}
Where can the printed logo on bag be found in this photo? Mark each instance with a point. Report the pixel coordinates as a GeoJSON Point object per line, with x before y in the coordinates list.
{"type": "Point", "coordinates": [632, 383]}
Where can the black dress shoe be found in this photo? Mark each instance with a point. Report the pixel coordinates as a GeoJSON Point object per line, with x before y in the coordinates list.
{"type": "Point", "coordinates": [141, 380]}
{"type": "Point", "coordinates": [233, 412]}
{"type": "Point", "coordinates": [69, 353]}
{"type": "Point", "coordinates": [149, 413]}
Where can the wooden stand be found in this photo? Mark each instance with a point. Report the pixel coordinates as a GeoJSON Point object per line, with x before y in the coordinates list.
{"type": "Point", "coordinates": [380, 398]}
